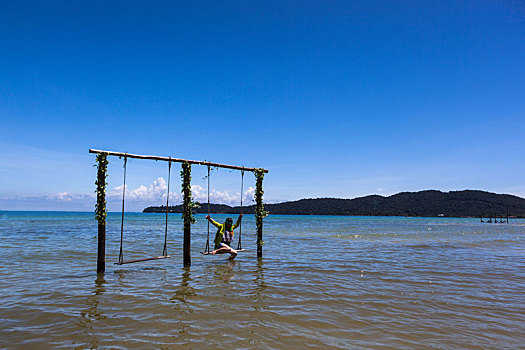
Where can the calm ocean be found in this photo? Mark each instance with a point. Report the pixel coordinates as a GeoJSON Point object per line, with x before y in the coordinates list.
{"type": "Point", "coordinates": [324, 282]}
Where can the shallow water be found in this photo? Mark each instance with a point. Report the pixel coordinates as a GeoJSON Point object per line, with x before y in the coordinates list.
{"type": "Point", "coordinates": [324, 282]}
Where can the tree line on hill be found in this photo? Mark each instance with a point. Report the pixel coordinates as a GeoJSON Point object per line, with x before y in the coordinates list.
{"type": "Point", "coordinates": [467, 203]}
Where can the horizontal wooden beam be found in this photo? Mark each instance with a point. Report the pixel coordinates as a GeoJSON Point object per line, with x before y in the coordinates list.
{"type": "Point", "coordinates": [171, 159]}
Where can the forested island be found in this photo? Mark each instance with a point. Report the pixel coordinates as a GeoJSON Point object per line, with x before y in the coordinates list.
{"type": "Point", "coordinates": [429, 203]}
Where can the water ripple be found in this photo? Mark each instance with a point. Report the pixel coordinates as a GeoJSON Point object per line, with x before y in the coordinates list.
{"type": "Point", "coordinates": [324, 282]}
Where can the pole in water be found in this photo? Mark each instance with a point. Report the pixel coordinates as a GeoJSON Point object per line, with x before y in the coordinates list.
{"type": "Point", "coordinates": [186, 186]}
{"type": "Point", "coordinates": [101, 212]}
{"type": "Point", "coordinates": [259, 210]}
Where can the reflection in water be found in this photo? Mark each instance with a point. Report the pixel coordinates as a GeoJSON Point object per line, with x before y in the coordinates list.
{"type": "Point", "coordinates": [92, 313]}
{"type": "Point", "coordinates": [260, 285]}
{"type": "Point", "coordinates": [121, 276]}
{"type": "Point", "coordinates": [163, 277]}
{"type": "Point", "coordinates": [224, 272]}
{"type": "Point", "coordinates": [100, 284]}
{"type": "Point", "coordinates": [180, 298]}
{"type": "Point", "coordinates": [186, 290]}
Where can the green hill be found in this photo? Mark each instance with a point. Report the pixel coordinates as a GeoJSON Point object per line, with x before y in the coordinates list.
{"type": "Point", "coordinates": [466, 203]}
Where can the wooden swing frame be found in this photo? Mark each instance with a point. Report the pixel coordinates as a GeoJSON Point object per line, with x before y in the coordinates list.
{"type": "Point", "coordinates": [186, 171]}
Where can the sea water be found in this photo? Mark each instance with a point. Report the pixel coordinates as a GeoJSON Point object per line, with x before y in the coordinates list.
{"type": "Point", "coordinates": [323, 282]}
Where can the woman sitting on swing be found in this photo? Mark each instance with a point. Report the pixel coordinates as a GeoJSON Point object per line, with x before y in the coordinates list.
{"type": "Point", "coordinates": [224, 236]}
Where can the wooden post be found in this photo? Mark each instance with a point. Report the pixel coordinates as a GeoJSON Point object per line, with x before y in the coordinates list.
{"type": "Point", "coordinates": [259, 210]}
{"type": "Point", "coordinates": [100, 212]}
{"type": "Point", "coordinates": [186, 190]}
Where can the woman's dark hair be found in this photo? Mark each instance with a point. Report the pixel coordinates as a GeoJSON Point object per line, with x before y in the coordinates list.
{"type": "Point", "coordinates": [230, 220]}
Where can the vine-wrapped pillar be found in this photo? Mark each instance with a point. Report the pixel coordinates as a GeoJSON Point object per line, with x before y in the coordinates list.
{"type": "Point", "coordinates": [100, 211]}
{"type": "Point", "coordinates": [186, 212]}
{"type": "Point", "coordinates": [259, 209]}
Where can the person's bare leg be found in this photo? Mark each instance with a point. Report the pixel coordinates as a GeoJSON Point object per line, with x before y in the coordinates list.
{"type": "Point", "coordinates": [233, 253]}
{"type": "Point", "coordinates": [221, 250]}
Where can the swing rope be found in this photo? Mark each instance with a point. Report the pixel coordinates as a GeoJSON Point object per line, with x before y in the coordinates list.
{"type": "Point", "coordinates": [121, 254]}
{"type": "Point", "coordinates": [165, 249]}
{"type": "Point", "coordinates": [239, 245]}
{"type": "Point", "coordinates": [207, 249]}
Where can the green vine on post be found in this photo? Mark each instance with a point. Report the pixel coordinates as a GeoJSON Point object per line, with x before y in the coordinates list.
{"type": "Point", "coordinates": [258, 196]}
{"type": "Point", "coordinates": [260, 213]}
{"type": "Point", "coordinates": [100, 206]}
{"type": "Point", "coordinates": [188, 204]}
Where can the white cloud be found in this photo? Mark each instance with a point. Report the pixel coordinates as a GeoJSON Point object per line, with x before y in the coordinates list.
{"type": "Point", "coordinates": [55, 201]}
{"type": "Point", "coordinates": [59, 197]}
{"type": "Point", "coordinates": [69, 196]}
{"type": "Point", "coordinates": [248, 195]}
{"type": "Point", "coordinates": [200, 194]}
{"type": "Point", "coordinates": [136, 199]}
{"type": "Point", "coordinates": [155, 192]}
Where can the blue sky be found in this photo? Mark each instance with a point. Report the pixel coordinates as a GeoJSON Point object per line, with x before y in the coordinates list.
{"type": "Point", "coordinates": [336, 99]}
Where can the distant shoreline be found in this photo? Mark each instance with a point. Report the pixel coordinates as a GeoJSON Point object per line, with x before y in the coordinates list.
{"type": "Point", "coordinates": [271, 214]}
{"type": "Point", "coordinates": [458, 204]}
{"type": "Point", "coordinates": [334, 215]}
{"type": "Point", "coordinates": [431, 204]}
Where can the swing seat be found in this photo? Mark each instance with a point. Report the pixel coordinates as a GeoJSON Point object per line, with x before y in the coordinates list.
{"type": "Point", "coordinates": [209, 253]}
{"type": "Point", "coordinates": [145, 259]}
